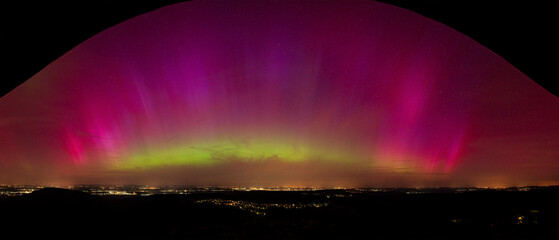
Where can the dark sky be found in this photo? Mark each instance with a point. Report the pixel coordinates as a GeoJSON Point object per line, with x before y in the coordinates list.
{"type": "Point", "coordinates": [35, 33]}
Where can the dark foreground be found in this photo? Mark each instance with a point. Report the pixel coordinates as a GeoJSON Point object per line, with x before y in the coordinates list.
{"type": "Point", "coordinates": [327, 214]}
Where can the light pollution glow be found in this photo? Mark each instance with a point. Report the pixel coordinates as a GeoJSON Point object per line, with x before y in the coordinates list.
{"type": "Point", "coordinates": [261, 93]}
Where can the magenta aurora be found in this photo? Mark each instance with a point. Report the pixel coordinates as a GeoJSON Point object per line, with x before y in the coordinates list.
{"type": "Point", "coordinates": [286, 93]}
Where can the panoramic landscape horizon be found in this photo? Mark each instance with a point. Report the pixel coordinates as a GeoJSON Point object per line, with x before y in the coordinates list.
{"type": "Point", "coordinates": [292, 119]}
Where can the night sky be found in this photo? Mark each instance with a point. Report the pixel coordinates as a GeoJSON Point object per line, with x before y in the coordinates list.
{"type": "Point", "coordinates": [302, 93]}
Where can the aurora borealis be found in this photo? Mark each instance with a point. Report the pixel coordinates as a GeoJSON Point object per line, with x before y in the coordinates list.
{"type": "Point", "coordinates": [289, 93]}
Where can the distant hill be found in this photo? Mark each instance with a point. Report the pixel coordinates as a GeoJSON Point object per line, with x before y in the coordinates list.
{"type": "Point", "coordinates": [58, 194]}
